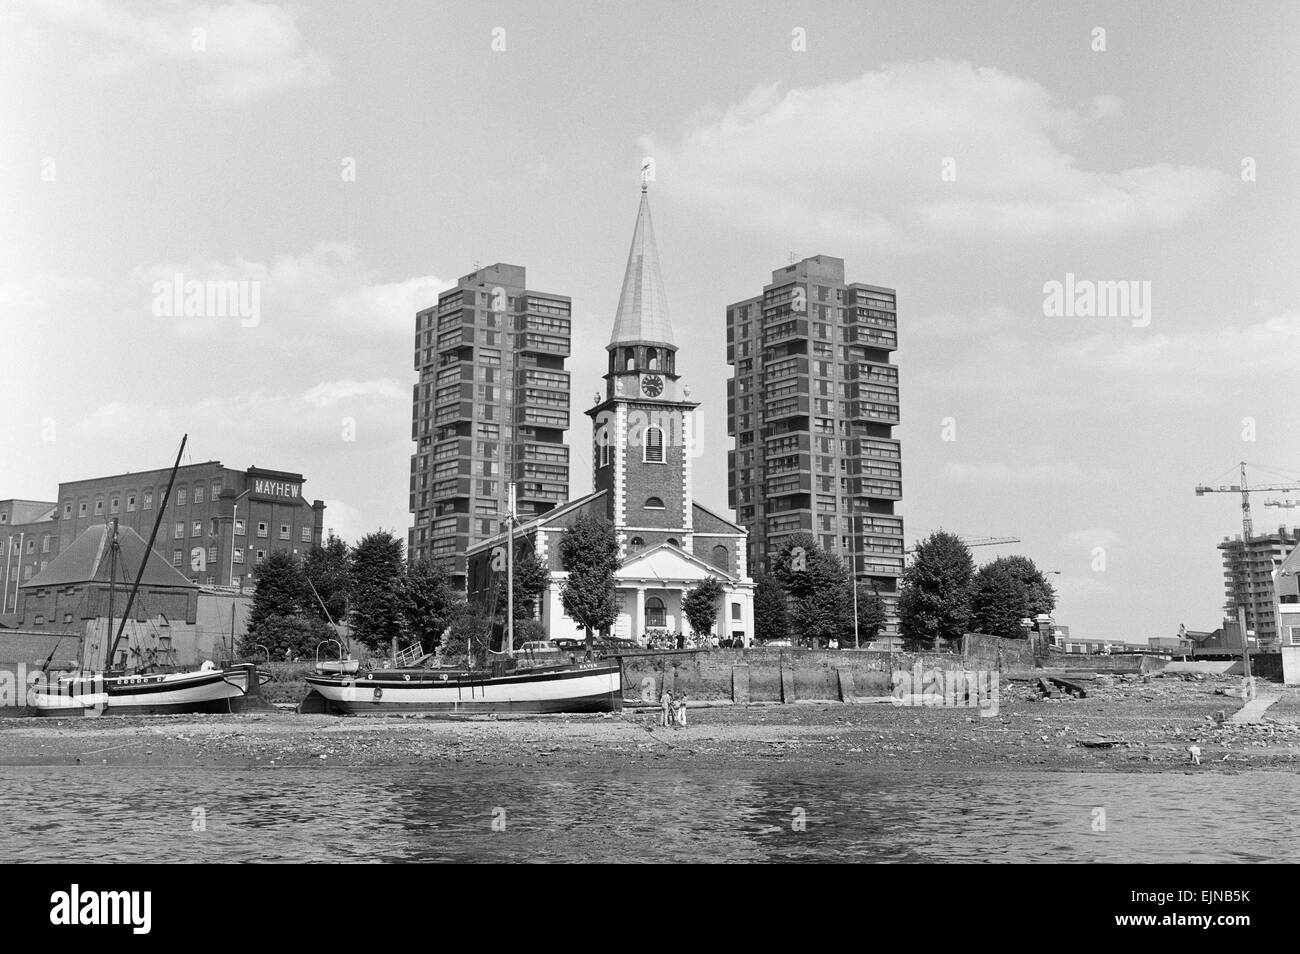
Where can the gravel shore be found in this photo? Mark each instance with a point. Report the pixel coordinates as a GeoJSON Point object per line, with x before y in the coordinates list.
{"type": "Point", "coordinates": [1142, 725]}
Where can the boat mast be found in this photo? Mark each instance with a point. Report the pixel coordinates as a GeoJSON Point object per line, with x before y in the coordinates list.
{"type": "Point", "coordinates": [144, 560]}
{"type": "Point", "coordinates": [112, 592]}
{"type": "Point", "coordinates": [510, 576]}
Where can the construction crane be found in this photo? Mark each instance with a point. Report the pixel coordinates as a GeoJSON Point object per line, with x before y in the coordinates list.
{"type": "Point", "coordinates": [1247, 524]}
{"type": "Point", "coordinates": [1241, 568]}
{"type": "Point", "coordinates": [978, 542]}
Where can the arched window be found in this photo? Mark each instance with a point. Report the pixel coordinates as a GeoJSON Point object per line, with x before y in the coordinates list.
{"type": "Point", "coordinates": [654, 444]}
{"type": "Point", "coordinates": [629, 359]}
{"type": "Point", "coordinates": [602, 440]}
{"type": "Point", "coordinates": [656, 614]}
{"type": "Point", "coordinates": [654, 503]}
{"type": "Point", "coordinates": [722, 557]}
{"type": "Point", "coordinates": [673, 541]}
{"type": "Point", "coordinates": [637, 542]}
{"type": "Point", "coordinates": [652, 359]}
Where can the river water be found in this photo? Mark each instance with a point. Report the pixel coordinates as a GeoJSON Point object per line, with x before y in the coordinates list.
{"type": "Point", "coordinates": [158, 814]}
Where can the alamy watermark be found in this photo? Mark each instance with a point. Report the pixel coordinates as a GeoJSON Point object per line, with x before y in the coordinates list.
{"type": "Point", "coordinates": [1085, 298]}
{"type": "Point", "coordinates": [947, 688]}
{"type": "Point", "coordinates": [224, 298]}
{"type": "Point", "coordinates": [74, 691]}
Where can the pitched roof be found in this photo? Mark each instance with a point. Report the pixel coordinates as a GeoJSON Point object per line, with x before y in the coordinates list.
{"type": "Point", "coordinates": [735, 527]}
{"type": "Point", "coordinates": [523, 529]}
{"type": "Point", "coordinates": [642, 315]}
{"type": "Point", "coordinates": [87, 560]}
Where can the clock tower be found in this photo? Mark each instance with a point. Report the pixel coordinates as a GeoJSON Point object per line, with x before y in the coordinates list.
{"type": "Point", "coordinates": [643, 427]}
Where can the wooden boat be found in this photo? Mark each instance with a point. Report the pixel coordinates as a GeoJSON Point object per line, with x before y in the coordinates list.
{"type": "Point", "coordinates": [576, 687]}
{"type": "Point", "coordinates": [114, 692]}
{"type": "Point", "coordinates": [204, 690]}
{"type": "Point", "coordinates": [591, 686]}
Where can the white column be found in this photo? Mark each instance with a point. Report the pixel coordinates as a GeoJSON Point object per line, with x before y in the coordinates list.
{"type": "Point", "coordinates": [724, 614]}
{"type": "Point", "coordinates": [638, 621]}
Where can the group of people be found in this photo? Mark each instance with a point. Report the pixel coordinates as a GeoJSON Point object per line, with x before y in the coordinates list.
{"type": "Point", "coordinates": [662, 639]}
{"type": "Point", "coordinates": [672, 708]}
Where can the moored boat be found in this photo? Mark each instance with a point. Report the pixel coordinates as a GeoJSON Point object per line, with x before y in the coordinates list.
{"type": "Point", "coordinates": [577, 687]}
{"type": "Point", "coordinates": [204, 690]}
{"type": "Point", "coordinates": [145, 692]}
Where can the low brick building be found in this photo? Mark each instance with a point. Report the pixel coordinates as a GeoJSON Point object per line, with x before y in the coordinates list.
{"type": "Point", "coordinates": [83, 592]}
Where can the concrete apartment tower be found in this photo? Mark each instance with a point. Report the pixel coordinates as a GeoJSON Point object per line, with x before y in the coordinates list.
{"type": "Point", "coordinates": [1249, 581]}
{"type": "Point", "coordinates": [491, 407]}
{"type": "Point", "coordinates": [812, 405]}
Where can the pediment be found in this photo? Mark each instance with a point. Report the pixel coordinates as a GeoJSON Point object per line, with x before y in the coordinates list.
{"type": "Point", "coordinates": [667, 562]}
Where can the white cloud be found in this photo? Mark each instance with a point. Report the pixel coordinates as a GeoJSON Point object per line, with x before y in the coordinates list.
{"type": "Point", "coordinates": [1048, 472]}
{"type": "Point", "coordinates": [329, 283]}
{"type": "Point", "coordinates": [329, 393]}
{"type": "Point", "coordinates": [241, 50]}
{"type": "Point", "coordinates": [861, 161]}
{"type": "Point", "coordinates": [226, 420]}
{"type": "Point", "coordinates": [1266, 347]}
{"type": "Point", "coordinates": [1089, 538]}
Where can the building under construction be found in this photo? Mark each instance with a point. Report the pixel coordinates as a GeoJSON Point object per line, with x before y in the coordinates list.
{"type": "Point", "coordinates": [1248, 581]}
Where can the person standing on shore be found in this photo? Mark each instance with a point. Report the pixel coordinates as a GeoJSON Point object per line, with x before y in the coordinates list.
{"type": "Point", "coordinates": [680, 706]}
{"type": "Point", "coordinates": [665, 702]}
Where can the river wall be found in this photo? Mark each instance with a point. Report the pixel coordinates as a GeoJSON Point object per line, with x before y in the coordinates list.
{"type": "Point", "coordinates": [764, 674]}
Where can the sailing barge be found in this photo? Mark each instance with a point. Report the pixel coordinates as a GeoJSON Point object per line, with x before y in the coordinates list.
{"type": "Point", "coordinates": [118, 692]}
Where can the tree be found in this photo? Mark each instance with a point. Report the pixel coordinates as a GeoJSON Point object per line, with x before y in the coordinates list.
{"type": "Point", "coordinates": [374, 597]}
{"type": "Point", "coordinates": [280, 588]}
{"type": "Point", "coordinates": [771, 614]}
{"type": "Point", "coordinates": [700, 605]}
{"type": "Point", "coordinates": [934, 599]}
{"type": "Point", "coordinates": [531, 578]}
{"type": "Point", "coordinates": [471, 630]}
{"type": "Point", "coordinates": [820, 591]}
{"type": "Point", "coordinates": [285, 637]}
{"type": "Point", "coordinates": [1006, 591]}
{"type": "Point", "coordinates": [804, 568]}
{"type": "Point", "coordinates": [871, 614]}
{"type": "Point", "coordinates": [429, 602]}
{"type": "Point", "coordinates": [589, 553]}
{"type": "Point", "coordinates": [329, 569]}
{"type": "Point", "coordinates": [280, 620]}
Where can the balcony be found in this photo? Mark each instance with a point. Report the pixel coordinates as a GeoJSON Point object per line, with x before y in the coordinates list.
{"type": "Point", "coordinates": [547, 344]}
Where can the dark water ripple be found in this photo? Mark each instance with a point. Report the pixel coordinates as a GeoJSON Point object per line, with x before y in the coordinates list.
{"type": "Point", "coordinates": [95, 813]}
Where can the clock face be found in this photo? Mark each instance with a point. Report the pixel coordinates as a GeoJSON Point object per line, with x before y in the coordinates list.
{"type": "Point", "coordinates": [652, 385]}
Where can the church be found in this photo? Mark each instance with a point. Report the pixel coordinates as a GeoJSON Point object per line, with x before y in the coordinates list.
{"type": "Point", "coordinates": [644, 447]}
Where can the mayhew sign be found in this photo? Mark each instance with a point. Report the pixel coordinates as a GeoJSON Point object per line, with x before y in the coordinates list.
{"type": "Point", "coordinates": [279, 489]}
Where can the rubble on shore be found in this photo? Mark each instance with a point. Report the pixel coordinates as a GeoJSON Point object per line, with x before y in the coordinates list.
{"type": "Point", "coordinates": [1143, 723]}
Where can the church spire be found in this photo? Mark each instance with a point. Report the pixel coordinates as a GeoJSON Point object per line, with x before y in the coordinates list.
{"type": "Point", "coordinates": [642, 316]}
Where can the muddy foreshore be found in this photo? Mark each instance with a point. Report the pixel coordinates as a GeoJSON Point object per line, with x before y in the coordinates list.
{"type": "Point", "coordinates": [1151, 723]}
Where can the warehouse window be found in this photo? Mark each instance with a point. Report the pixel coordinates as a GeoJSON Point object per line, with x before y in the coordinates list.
{"type": "Point", "coordinates": [654, 503]}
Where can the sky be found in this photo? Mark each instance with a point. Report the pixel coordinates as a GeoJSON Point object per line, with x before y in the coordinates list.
{"type": "Point", "coordinates": [346, 162]}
